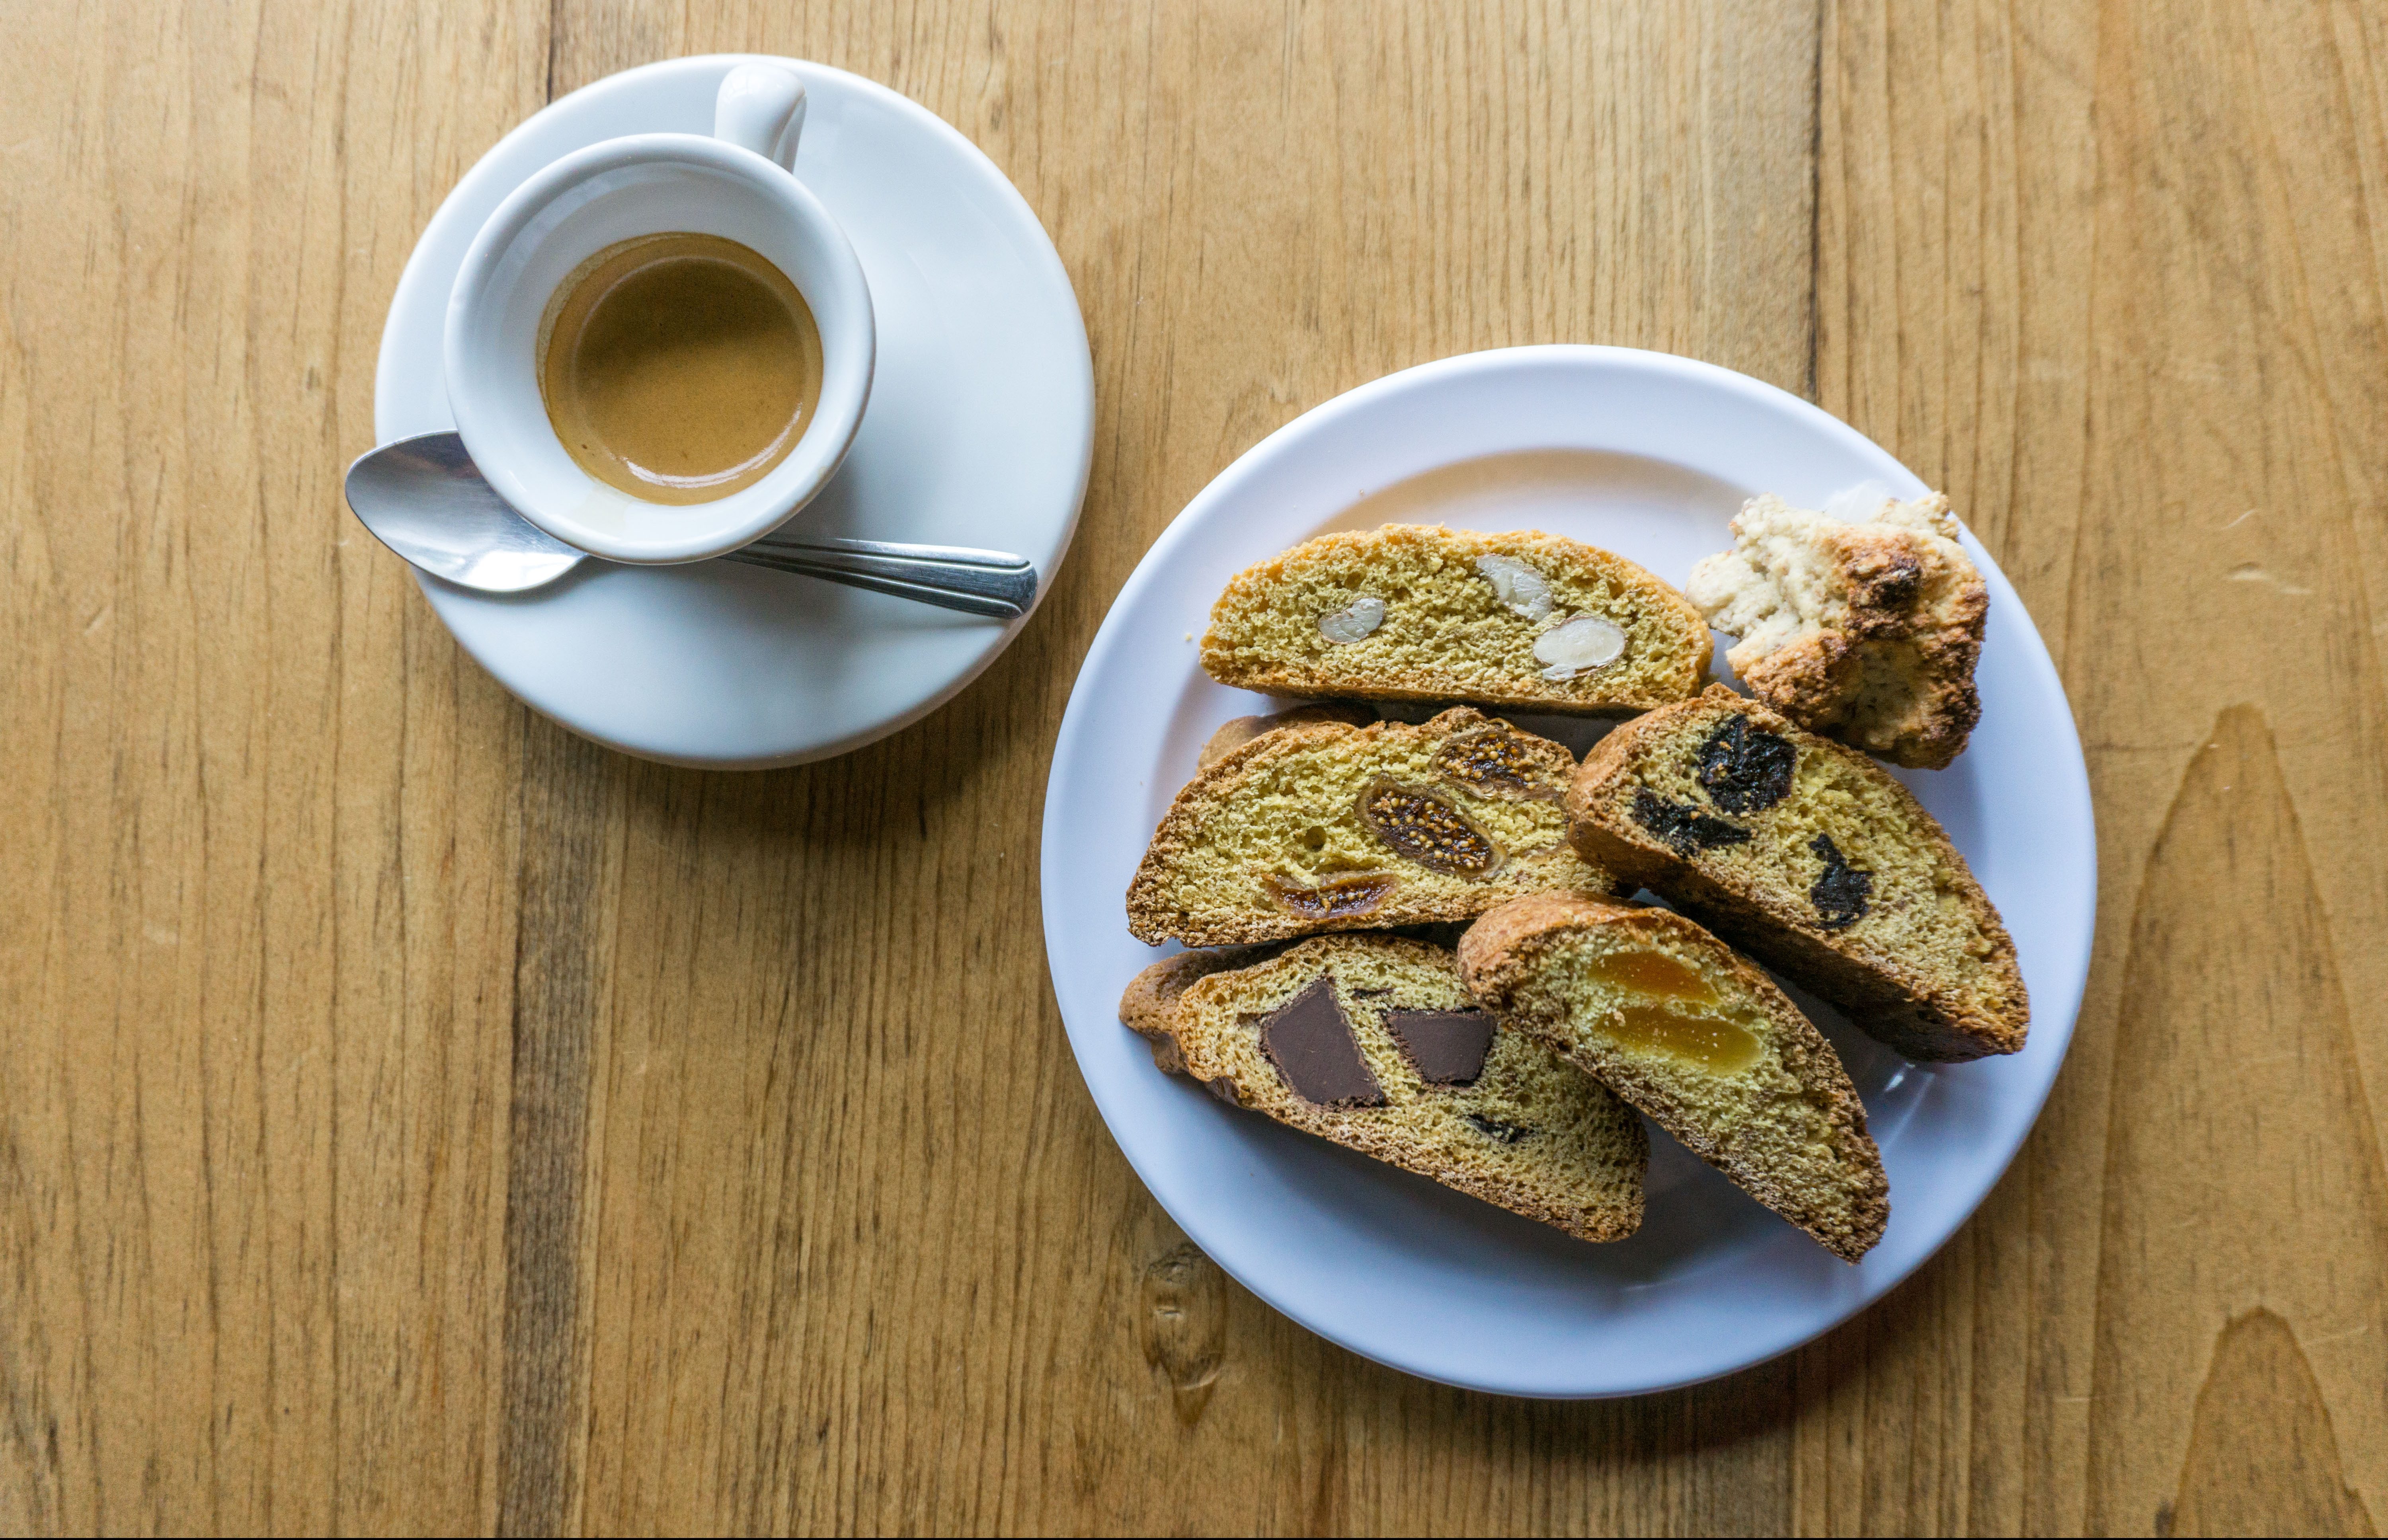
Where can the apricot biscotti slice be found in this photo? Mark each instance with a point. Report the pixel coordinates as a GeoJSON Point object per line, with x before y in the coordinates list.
{"type": "Point", "coordinates": [1521, 619]}
{"type": "Point", "coordinates": [1371, 1041]}
{"type": "Point", "coordinates": [1331, 827]}
{"type": "Point", "coordinates": [1668, 1019]}
{"type": "Point", "coordinates": [1811, 858]}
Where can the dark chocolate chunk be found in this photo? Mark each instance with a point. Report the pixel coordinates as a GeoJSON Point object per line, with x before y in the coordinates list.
{"type": "Point", "coordinates": [1746, 769]}
{"type": "Point", "coordinates": [1334, 898]}
{"type": "Point", "coordinates": [1428, 829]}
{"type": "Point", "coordinates": [1493, 760]}
{"type": "Point", "coordinates": [1224, 1087]}
{"type": "Point", "coordinates": [1840, 894]}
{"type": "Point", "coordinates": [1492, 1128]}
{"type": "Point", "coordinates": [1685, 829]}
{"type": "Point", "coordinates": [1310, 1042]}
{"type": "Point", "coordinates": [1445, 1047]}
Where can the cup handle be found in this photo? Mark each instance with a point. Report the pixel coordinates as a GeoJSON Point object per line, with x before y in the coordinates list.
{"type": "Point", "coordinates": [761, 108]}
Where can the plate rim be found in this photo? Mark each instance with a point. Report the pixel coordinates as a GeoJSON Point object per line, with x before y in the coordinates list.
{"type": "Point", "coordinates": [1076, 414]}
{"type": "Point", "coordinates": [2052, 1019]}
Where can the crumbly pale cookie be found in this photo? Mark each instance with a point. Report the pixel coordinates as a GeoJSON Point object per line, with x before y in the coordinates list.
{"type": "Point", "coordinates": [1865, 631]}
{"type": "Point", "coordinates": [1521, 619]}
{"type": "Point", "coordinates": [1811, 858]}
{"type": "Point", "coordinates": [1329, 826]}
{"type": "Point", "coordinates": [1370, 1040]}
{"type": "Point", "coordinates": [1668, 1017]}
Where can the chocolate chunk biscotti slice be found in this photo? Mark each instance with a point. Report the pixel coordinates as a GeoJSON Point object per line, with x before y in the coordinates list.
{"type": "Point", "coordinates": [1521, 619]}
{"type": "Point", "coordinates": [1811, 858]}
{"type": "Point", "coordinates": [1371, 1041]}
{"type": "Point", "coordinates": [1668, 1019]}
{"type": "Point", "coordinates": [1330, 827]}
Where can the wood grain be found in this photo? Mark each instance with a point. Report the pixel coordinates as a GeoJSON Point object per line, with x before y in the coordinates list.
{"type": "Point", "coordinates": [413, 1117]}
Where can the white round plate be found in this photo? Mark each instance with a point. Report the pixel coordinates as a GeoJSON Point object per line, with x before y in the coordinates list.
{"type": "Point", "coordinates": [1647, 455]}
{"type": "Point", "coordinates": [979, 433]}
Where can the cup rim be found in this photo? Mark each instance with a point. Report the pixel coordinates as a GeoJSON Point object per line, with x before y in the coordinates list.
{"type": "Point", "coordinates": [849, 355]}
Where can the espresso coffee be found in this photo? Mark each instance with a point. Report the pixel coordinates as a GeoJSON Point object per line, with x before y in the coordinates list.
{"type": "Point", "coordinates": [678, 369]}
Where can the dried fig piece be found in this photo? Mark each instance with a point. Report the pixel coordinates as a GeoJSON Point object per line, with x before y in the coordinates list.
{"type": "Point", "coordinates": [1682, 826]}
{"type": "Point", "coordinates": [1841, 893]}
{"type": "Point", "coordinates": [1492, 1127]}
{"type": "Point", "coordinates": [1428, 829]}
{"type": "Point", "coordinates": [1493, 760]}
{"type": "Point", "coordinates": [1334, 898]}
{"type": "Point", "coordinates": [1746, 769]}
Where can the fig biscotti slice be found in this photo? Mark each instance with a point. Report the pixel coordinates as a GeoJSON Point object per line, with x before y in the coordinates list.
{"type": "Point", "coordinates": [1811, 858]}
{"type": "Point", "coordinates": [1677, 1025]}
{"type": "Point", "coordinates": [1371, 1041]}
{"type": "Point", "coordinates": [1330, 827]}
{"type": "Point", "coordinates": [1521, 619]}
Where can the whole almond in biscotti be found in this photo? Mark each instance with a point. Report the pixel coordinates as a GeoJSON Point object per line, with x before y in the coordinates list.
{"type": "Point", "coordinates": [1521, 619]}
{"type": "Point", "coordinates": [1330, 827]}
{"type": "Point", "coordinates": [1865, 631]}
{"type": "Point", "coordinates": [1811, 858]}
{"type": "Point", "coordinates": [1370, 1040]}
{"type": "Point", "coordinates": [1668, 1017]}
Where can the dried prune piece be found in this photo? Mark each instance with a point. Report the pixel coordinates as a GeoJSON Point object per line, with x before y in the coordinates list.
{"type": "Point", "coordinates": [1493, 760]}
{"type": "Point", "coordinates": [1492, 1127]}
{"type": "Point", "coordinates": [1336, 897]}
{"type": "Point", "coordinates": [1840, 894]}
{"type": "Point", "coordinates": [1746, 769]}
{"type": "Point", "coordinates": [1428, 829]}
{"type": "Point", "coordinates": [1685, 829]}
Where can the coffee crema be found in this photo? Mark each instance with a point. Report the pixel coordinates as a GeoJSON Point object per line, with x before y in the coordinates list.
{"type": "Point", "coordinates": [678, 369]}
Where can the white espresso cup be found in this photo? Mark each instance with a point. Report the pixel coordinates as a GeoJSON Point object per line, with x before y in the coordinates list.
{"type": "Point", "coordinates": [735, 183]}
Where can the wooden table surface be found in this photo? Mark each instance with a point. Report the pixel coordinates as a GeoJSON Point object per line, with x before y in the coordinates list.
{"type": "Point", "coordinates": [414, 1118]}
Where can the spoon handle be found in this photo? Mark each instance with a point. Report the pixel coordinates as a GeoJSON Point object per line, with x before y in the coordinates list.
{"type": "Point", "coordinates": [987, 583]}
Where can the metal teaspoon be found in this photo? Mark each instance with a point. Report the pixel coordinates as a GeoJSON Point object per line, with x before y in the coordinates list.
{"type": "Point", "coordinates": [425, 498]}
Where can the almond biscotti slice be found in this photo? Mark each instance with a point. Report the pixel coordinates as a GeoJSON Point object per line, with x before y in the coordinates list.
{"type": "Point", "coordinates": [1371, 1041]}
{"type": "Point", "coordinates": [1522, 619]}
{"type": "Point", "coordinates": [1668, 1019]}
{"type": "Point", "coordinates": [1866, 631]}
{"type": "Point", "coordinates": [1330, 826]}
{"type": "Point", "coordinates": [1810, 857]}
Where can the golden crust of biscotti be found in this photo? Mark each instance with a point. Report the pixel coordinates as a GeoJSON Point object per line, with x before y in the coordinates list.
{"type": "Point", "coordinates": [1152, 994]}
{"type": "Point", "coordinates": [1533, 1133]}
{"type": "Point", "coordinates": [1506, 962]}
{"type": "Point", "coordinates": [1890, 614]}
{"type": "Point", "coordinates": [1925, 1000]}
{"type": "Point", "coordinates": [1447, 632]}
{"type": "Point", "coordinates": [1278, 821]}
{"type": "Point", "coordinates": [1234, 734]}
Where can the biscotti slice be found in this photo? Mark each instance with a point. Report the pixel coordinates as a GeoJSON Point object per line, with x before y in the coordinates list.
{"type": "Point", "coordinates": [1810, 857]}
{"type": "Point", "coordinates": [1668, 1019]}
{"type": "Point", "coordinates": [1865, 631]}
{"type": "Point", "coordinates": [1371, 1041]}
{"type": "Point", "coordinates": [1522, 619]}
{"type": "Point", "coordinates": [1330, 826]}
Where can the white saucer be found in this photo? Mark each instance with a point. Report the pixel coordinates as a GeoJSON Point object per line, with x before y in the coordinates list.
{"type": "Point", "coordinates": [979, 433]}
{"type": "Point", "coordinates": [1647, 455]}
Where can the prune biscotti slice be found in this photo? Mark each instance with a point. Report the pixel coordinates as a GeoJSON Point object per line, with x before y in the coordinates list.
{"type": "Point", "coordinates": [1522, 619]}
{"type": "Point", "coordinates": [1810, 857]}
{"type": "Point", "coordinates": [1330, 827]}
{"type": "Point", "coordinates": [1371, 1041]}
{"type": "Point", "coordinates": [1677, 1025]}
{"type": "Point", "coordinates": [1866, 631]}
